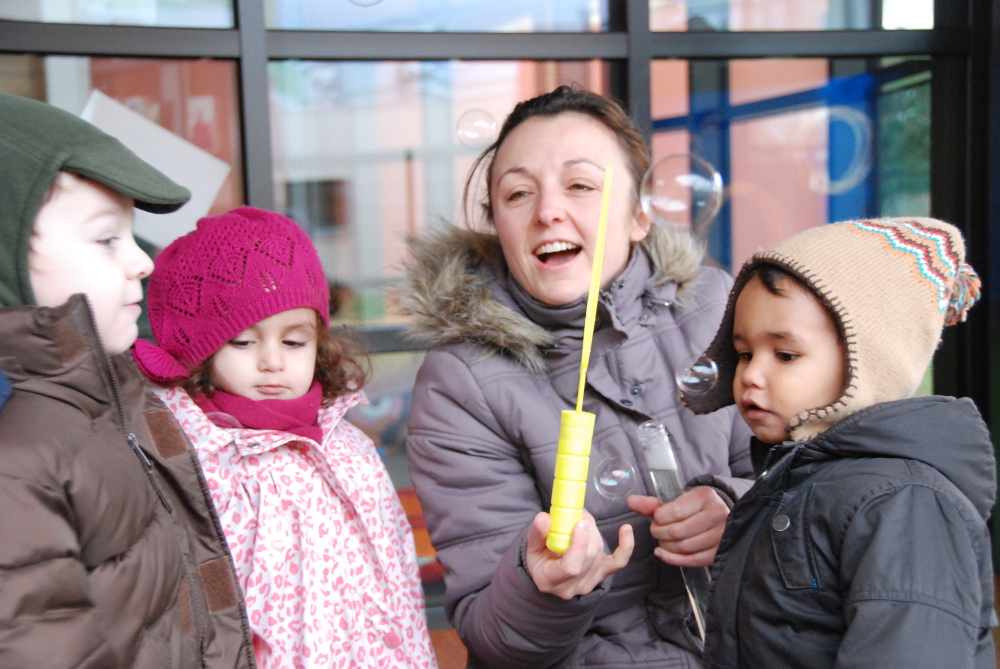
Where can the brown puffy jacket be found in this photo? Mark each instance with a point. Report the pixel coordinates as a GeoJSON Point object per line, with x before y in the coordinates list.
{"type": "Point", "coordinates": [111, 554]}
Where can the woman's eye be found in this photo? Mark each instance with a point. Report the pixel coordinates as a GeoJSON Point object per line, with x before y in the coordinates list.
{"type": "Point", "coordinates": [785, 356]}
{"type": "Point", "coordinates": [516, 195]}
{"type": "Point", "coordinates": [581, 187]}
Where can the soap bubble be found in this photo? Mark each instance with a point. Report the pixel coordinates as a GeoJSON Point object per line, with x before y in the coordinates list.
{"type": "Point", "coordinates": [696, 376]}
{"type": "Point", "coordinates": [221, 419]}
{"type": "Point", "coordinates": [614, 478]}
{"type": "Point", "coordinates": [684, 190]}
{"type": "Point", "coordinates": [476, 128]}
{"type": "Point", "coordinates": [364, 3]}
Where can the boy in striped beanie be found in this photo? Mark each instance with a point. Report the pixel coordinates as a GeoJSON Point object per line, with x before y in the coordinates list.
{"type": "Point", "coordinates": [864, 541]}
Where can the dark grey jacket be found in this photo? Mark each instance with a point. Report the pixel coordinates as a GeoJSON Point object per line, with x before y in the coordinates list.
{"type": "Point", "coordinates": [482, 446]}
{"type": "Point", "coordinates": [865, 547]}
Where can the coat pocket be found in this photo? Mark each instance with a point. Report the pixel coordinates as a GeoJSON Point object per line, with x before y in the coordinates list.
{"type": "Point", "coordinates": [790, 541]}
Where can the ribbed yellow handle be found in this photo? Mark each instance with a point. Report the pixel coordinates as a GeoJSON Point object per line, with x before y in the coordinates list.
{"type": "Point", "coordinates": [576, 431]}
{"type": "Point", "coordinates": [576, 428]}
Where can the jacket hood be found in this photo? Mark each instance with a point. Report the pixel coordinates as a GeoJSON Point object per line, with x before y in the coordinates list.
{"type": "Point", "coordinates": [945, 433]}
{"type": "Point", "coordinates": [457, 290]}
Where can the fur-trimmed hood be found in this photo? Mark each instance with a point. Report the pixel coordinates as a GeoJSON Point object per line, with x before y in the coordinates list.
{"type": "Point", "coordinates": [457, 290]}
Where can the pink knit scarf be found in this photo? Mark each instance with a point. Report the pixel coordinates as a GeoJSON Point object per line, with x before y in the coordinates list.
{"type": "Point", "coordinates": [299, 416]}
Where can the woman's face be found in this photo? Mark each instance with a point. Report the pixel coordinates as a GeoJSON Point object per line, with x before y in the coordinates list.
{"type": "Point", "coordinates": [546, 194]}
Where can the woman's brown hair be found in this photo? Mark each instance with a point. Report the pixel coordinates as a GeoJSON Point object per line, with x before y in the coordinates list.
{"type": "Point", "coordinates": [560, 101]}
{"type": "Point", "coordinates": [342, 366]}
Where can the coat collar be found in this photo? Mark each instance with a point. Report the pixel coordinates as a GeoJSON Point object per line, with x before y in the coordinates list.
{"type": "Point", "coordinates": [461, 292]}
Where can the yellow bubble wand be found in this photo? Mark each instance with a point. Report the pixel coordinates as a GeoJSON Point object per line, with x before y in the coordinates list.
{"type": "Point", "coordinates": [576, 428]}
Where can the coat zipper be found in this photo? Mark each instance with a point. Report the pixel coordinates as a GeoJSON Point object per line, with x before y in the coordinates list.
{"type": "Point", "coordinates": [146, 463]}
{"type": "Point", "coordinates": [144, 460]}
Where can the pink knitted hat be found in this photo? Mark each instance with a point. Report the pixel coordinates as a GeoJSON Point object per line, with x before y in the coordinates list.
{"type": "Point", "coordinates": [233, 271]}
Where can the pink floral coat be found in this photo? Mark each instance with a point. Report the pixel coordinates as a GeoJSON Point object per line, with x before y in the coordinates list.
{"type": "Point", "coordinates": [322, 547]}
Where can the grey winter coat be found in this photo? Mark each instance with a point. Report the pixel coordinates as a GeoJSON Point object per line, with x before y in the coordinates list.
{"type": "Point", "coordinates": [865, 547]}
{"type": "Point", "coordinates": [482, 445]}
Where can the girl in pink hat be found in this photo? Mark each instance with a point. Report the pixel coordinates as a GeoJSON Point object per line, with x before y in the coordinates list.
{"type": "Point", "coordinates": [248, 366]}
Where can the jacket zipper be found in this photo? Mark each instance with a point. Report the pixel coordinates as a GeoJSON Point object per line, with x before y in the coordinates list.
{"type": "Point", "coordinates": [147, 466]}
{"type": "Point", "coordinates": [146, 463]}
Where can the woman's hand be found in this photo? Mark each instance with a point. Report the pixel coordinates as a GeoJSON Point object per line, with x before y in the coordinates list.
{"type": "Point", "coordinates": [584, 564]}
{"type": "Point", "coordinates": [688, 528]}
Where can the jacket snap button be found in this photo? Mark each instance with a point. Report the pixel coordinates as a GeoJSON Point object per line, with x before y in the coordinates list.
{"type": "Point", "coordinates": [780, 523]}
{"type": "Point", "coordinates": [636, 390]}
{"type": "Point", "coordinates": [627, 403]}
{"type": "Point", "coordinates": [392, 640]}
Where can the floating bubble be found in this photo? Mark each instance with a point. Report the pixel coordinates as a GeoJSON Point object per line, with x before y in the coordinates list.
{"type": "Point", "coordinates": [476, 128]}
{"type": "Point", "coordinates": [861, 163]}
{"type": "Point", "coordinates": [823, 130]}
{"type": "Point", "coordinates": [697, 375]}
{"type": "Point", "coordinates": [614, 478]}
{"type": "Point", "coordinates": [225, 420]}
{"type": "Point", "coordinates": [364, 3]}
{"type": "Point", "coordinates": [684, 190]}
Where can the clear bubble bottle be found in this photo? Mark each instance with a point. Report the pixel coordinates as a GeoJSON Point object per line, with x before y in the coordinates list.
{"type": "Point", "coordinates": [668, 485]}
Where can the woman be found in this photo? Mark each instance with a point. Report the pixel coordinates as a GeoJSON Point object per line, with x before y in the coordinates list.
{"type": "Point", "coordinates": [504, 312]}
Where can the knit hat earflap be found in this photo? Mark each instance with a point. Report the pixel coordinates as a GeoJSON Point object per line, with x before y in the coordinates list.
{"type": "Point", "coordinates": [891, 285]}
{"type": "Point", "coordinates": [233, 271]}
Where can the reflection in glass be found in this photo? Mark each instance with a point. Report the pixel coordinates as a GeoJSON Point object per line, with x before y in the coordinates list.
{"type": "Point", "coordinates": [907, 14]}
{"type": "Point", "coordinates": [799, 142]}
{"type": "Point", "coordinates": [366, 154]}
{"type": "Point", "coordinates": [513, 16]}
{"type": "Point", "coordinates": [167, 13]}
{"type": "Point", "coordinates": [904, 133]}
{"type": "Point", "coordinates": [194, 99]}
{"type": "Point", "coordinates": [746, 15]}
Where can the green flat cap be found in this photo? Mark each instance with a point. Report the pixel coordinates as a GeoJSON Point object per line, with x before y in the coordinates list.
{"type": "Point", "coordinates": [37, 141]}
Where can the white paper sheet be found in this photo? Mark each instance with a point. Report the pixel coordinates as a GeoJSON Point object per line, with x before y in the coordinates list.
{"type": "Point", "coordinates": [196, 169]}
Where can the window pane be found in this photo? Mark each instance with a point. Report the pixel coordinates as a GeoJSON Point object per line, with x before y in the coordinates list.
{"type": "Point", "coordinates": [747, 15]}
{"type": "Point", "coordinates": [195, 99]}
{"type": "Point", "coordinates": [515, 16]}
{"type": "Point", "coordinates": [366, 154]}
{"type": "Point", "coordinates": [173, 13]}
{"type": "Point", "coordinates": [796, 141]}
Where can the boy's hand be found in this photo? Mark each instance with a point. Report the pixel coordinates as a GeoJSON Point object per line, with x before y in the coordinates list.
{"type": "Point", "coordinates": [688, 528]}
{"type": "Point", "coordinates": [584, 564]}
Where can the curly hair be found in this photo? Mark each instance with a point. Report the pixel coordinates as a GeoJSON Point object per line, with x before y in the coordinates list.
{"type": "Point", "coordinates": [342, 366]}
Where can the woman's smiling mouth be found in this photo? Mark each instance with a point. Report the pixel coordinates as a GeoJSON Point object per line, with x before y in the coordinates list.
{"type": "Point", "coordinates": [557, 253]}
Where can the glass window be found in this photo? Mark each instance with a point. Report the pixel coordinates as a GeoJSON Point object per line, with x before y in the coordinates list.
{"type": "Point", "coordinates": [799, 142]}
{"type": "Point", "coordinates": [195, 99]}
{"type": "Point", "coordinates": [747, 15]}
{"type": "Point", "coordinates": [367, 153]}
{"type": "Point", "coordinates": [514, 16]}
{"type": "Point", "coordinates": [173, 13]}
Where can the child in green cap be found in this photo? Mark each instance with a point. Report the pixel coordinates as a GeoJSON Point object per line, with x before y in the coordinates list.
{"type": "Point", "coordinates": [111, 553]}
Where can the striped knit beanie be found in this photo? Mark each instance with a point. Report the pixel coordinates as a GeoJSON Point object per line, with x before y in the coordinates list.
{"type": "Point", "coordinates": [233, 271]}
{"type": "Point", "coordinates": [891, 284]}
